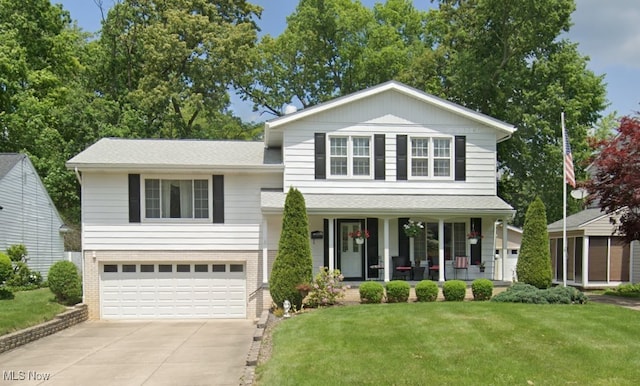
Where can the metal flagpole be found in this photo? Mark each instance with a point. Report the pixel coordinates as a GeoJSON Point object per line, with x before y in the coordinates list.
{"type": "Point", "coordinates": [564, 204]}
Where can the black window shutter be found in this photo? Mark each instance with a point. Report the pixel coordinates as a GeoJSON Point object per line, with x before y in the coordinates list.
{"type": "Point", "coordinates": [372, 247]}
{"type": "Point", "coordinates": [403, 239]}
{"type": "Point", "coordinates": [461, 158]}
{"type": "Point", "coordinates": [378, 152]}
{"type": "Point", "coordinates": [320, 146]}
{"type": "Point", "coordinates": [134, 197]}
{"type": "Point", "coordinates": [325, 229]}
{"type": "Point", "coordinates": [218, 199]}
{"type": "Point", "coordinates": [476, 249]}
{"type": "Point", "coordinates": [401, 157]}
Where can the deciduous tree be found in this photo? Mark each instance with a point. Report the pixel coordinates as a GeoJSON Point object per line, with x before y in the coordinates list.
{"type": "Point", "coordinates": [615, 184]}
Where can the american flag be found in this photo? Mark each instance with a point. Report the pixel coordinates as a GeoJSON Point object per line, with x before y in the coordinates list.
{"type": "Point", "coordinates": [568, 160]}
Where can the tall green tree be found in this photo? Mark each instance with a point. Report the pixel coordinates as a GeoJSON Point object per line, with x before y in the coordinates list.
{"type": "Point", "coordinates": [293, 264]}
{"type": "Point", "coordinates": [534, 260]}
{"type": "Point", "coordinates": [43, 103]}
{"type": "Point", "coordinates": [168, 65]}
{"type": "Point", "coordinates": [332, 48]}
{"type": "Point", "coordinates": [508, 60]}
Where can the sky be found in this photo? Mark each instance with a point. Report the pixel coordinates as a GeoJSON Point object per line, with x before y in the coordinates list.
{"type": "Point", "coordinates": [607, 32]}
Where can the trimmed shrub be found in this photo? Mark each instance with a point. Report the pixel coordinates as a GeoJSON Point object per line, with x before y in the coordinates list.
{"type": "Point", "coordinates": [454, 290]}
{"type": "Point", "coordinates": [6, 269]}
{"type": "Point", "coordinates": [427, 291]}
{"type": "Point", "coordinates": [65, 282]}
{"type": "Point", "coordinates": [398, 291]}
{"type": "Point", "coordinates": [482, 289]}
{"type": "Point", "coordinates": [326, 289]}
{"type": "Point", "coordinates": [17, 252]}
{"type": "Point", "coordinates": [371, 292]}
{"type": "Point", "coordinates": [23, 278]}
{"type": "Point", "coordinates": [526, 293]}
{"type": "Point", "coordinates": [626, 290]}
{"type": "Point", "coordinates": [293, 264]}
{"type": "Point", "coordinates": [6, 294]}
{"type": "Point", "coordinates": [534, 260]}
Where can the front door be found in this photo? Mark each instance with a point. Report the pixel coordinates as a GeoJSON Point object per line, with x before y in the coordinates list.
{"type": "Point", "coordinates": [350, 253]}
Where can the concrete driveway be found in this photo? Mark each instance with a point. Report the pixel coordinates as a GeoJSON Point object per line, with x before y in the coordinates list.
{"type": "Point", "coordinates": [211, 352]}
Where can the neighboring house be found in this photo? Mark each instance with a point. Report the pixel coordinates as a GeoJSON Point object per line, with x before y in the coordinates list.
{"type": "Point", "coordinates": [190, 229]}
{"type": "Point", "coordinates": [27, 214]}
{"type": "Point", "coordinates": [596, 258]}
{"type": "Point", "coordinates": [514, 240]}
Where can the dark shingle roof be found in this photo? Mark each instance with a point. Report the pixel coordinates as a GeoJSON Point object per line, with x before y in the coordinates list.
{"type": "Point", "coordinates": [8, 161]}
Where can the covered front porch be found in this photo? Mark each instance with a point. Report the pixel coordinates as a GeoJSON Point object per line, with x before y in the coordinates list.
{"type": "Point", "coordinates": [448, 221]}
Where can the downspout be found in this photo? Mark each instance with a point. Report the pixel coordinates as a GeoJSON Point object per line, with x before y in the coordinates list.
{"type": "Point", "coordinates": [78, 176]}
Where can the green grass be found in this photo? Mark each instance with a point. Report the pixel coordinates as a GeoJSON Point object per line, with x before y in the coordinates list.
{"type": "Point", "coordinates": [28, 309]}
{"type": "Point", "coordinates": [466, 343]}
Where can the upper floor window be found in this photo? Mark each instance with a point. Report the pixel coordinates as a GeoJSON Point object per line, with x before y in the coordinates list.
{"type": "Point", "coordinates": [176, 198]}
{"type": "Point", "coordinates": [350, 156]}
{"type": "Point", "coordinates": [431, 157]}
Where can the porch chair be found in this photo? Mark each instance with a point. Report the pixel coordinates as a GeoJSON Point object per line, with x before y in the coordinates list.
{"type": "Point", "coordinates": [461, 262]}
{"type": "Point", "coordinates": [401, 267]}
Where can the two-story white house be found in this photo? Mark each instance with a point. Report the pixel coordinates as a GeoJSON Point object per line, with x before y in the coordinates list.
{"type": "Point", "coordinates": [190, 229]}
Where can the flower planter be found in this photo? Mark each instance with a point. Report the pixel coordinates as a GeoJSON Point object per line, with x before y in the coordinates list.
{"type": "Point", "coordinates": [359, 240]}
{"type": "Point", "coordinates": [473, 241]}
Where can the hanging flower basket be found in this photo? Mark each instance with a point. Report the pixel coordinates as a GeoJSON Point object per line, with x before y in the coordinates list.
{"type": "Point", "coordinates": [413, 228]}
{"type": "Point", "coordinates": [359, 235]}
{"type": "Point", "coordinates": [474, 236]}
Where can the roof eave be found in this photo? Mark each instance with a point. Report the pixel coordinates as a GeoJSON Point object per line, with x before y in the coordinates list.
{"type": "Point", "coordinates": [81, 166]}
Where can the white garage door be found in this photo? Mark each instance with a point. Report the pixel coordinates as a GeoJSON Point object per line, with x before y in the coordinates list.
{"type": "Point", "coordinates": [172, 290]}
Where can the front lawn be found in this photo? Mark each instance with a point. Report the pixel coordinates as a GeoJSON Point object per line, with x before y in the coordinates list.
{"type": "Point", "coordinates": [29, 308]}
{"type": "Point", "coordinates": [466, 343]}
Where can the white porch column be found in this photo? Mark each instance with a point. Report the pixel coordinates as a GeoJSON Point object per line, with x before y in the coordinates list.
{"type": "Point", "coordinates": [332, 264]}
{"type": "Point", "coordinates": [441, 261]}
{"type": "Point", "coordinates": [585, 261]}
{"type": "Point", "coordinates": [387, 265]}
{"type": "Point", "coordinates": [265, 251]}
{"type": "Point", "coordinates": [505, 251]}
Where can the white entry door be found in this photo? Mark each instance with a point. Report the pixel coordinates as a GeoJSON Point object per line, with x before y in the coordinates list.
{"type": "Point", "coordinates": [351, 253]}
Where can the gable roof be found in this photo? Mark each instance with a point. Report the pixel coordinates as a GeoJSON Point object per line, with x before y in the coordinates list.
{"type": "Point", "coordinates": [578, 220]}
{"type": "Point", "coordinates": [504, 129]}
{"type": "Point", "coordinates": [165, 154]}
{"type": "Point", "coordinates": [8, 161]}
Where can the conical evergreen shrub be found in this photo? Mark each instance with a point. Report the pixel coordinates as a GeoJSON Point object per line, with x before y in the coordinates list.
{"type": "Point", "coordinates": [534, 261]}
{"type": "Point", "coordinates": [293, 264]}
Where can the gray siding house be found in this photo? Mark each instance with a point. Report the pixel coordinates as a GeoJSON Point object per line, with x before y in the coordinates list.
{"type": "Point", "coordinates": [27, 214]}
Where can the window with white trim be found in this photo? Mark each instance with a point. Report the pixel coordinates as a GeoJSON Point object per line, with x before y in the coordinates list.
{"type": "Point", "coordinates": [174, 198]}
{"type": "Point", "coordinates": [431, 157]}
{"type": "Point", "coordinates": [350, 156]}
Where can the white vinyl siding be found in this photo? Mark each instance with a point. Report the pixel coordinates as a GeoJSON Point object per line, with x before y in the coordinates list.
{"type": "Point", "coordinates": [106, 217]}
{"type": "Point", "coordinates": [391, 114]}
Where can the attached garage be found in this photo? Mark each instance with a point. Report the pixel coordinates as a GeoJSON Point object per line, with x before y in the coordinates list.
{"type": "Point", "coordinates": [165, 290]}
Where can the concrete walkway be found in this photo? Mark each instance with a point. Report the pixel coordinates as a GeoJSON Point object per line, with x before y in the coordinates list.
{"type": "Point", "coordinates": [632, 303]}
{"type": "Point", "coordinates": [208, 352]}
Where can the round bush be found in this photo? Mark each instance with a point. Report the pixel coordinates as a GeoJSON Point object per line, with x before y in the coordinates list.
{"type": "Point", "coordinates": [398, 291]}
{"type": "Point", "coordinates": [371, 292]}
{"type": "Point", "coordinates": [427, 291]}
{"type": "Point", "coordinates": [454, 290]}
{"type": "Point", "coordinates": [65, 282]}
{"type": "Point", "coordinates": [6, 270]}
{"type": "Point", "coordinates": [482, 289]}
